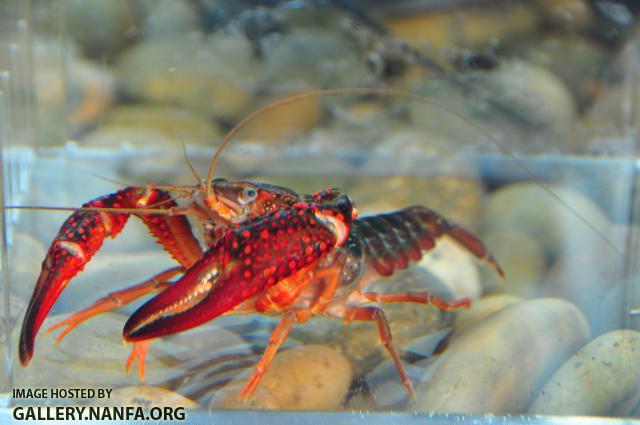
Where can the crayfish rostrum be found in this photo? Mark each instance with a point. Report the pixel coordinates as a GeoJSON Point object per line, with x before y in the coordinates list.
{"type": "Point", "coordinates": [269, 250]}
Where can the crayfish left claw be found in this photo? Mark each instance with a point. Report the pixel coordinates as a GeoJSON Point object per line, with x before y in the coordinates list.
{"type": "Point", "coordinates": [82, 235]}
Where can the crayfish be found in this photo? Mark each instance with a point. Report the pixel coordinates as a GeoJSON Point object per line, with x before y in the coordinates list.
{"type": "Point", "coordinates": [269, 250]}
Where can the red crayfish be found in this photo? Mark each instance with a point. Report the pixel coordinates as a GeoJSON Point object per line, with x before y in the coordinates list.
{"type": "Point", "coordinates": [269, 250]}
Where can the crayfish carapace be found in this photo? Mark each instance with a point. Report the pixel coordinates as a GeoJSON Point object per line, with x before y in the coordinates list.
{"type": "Point", "coordinates": [269, 250]}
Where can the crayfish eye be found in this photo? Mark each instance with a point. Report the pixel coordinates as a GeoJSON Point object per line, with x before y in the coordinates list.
{"type": "Point", "coordinates": [248, 195]}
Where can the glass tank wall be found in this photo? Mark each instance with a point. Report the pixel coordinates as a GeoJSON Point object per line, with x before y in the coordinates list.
{"type": "Point", "coordinates": [521, 127]}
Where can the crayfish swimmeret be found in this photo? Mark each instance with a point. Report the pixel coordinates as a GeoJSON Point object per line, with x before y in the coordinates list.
{"type": "Point", "coordinates": [269, 250]}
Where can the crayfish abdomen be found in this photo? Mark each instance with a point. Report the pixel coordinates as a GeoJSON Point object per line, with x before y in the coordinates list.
{"type": "Point", "coordinates": [391, 241]}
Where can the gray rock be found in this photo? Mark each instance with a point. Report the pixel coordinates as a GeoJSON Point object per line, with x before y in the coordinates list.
{"type": "Point", "coordinates": [159, 18]}
{"type": "Point", "coordinates": [496, 365]}
{"type": "Point", "coordinates": [558, 220]}
{"type": "Point", "coordinates": [602, 378]}
{"type": "Point", "coordinates": [480, 309]}
{"type": "Point", "coordinates": [446, 121]}
{"type": "Point", "coordinates": [566, 14]}
{"type": "Point", "coordinates": [536, 93]}
{"type": "Point", "coordinates": [464, 27]}
{"type": "Point", "coordinates": [99, 27]}
{"type": "Point", "coordinates": [530, 97]}
{"type": "Point", "coordinates": [579, 62]}
{"type": "Point", "coordinates": [455, 198]}
{"type": "Point", "coordinates": [592, 277]}
{"type": "Point", "coordinates": [313, 377]}
{"type": "Point", "coordinates": [455, 267]}
{"type": "Point", "coordinates": [522, 258]}
{"type": "Point", "coordinates": [310, 56]}
{"type": "Point", "coordinates": [167, 124]}
{"type": "Point", "coordinates": [210, 75]}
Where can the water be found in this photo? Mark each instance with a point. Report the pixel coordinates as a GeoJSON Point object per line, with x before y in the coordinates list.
{"type": "Point", "coordinates": [585, 263]}
{"type": "Point", "coordinates": [547, 179]}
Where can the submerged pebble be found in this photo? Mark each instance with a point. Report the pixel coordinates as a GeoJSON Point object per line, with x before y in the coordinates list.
{"type": "Point", "coordinates": [557, 222]}
{"type": "Point", "coordinates": [446, 128]}
{"type": "Point", "coordinates": [602, 378]}
{"type": "Point", "coordinates": [523, 96]}
{"type": "Point", "coordinates": [458, 199]}
{"type": "Point", "coordinates": [566, 14]}
{"type": "Point", "coordinates": [482, 308]}
{"type": "Point", "coordinates": [522, 258]}
{"type": "Point", "coordinates": [535, 94]}
{"type": "Point", "coordinates": [312, 377]}
{"type": "Point", "coordinates": [455, 267]}
{"type": "Point", "coordinates": [161, 129]}
{"type": "Point", "coordinates": [605, 125]}
{"type": "Point", "coordinates": [578, 61]}
{"type": "Point", "coordinates": [166, 17]}
{"type": "Point", "coordinates": [589, 276]}
{"type": "Point", "coordinates": [315, 57]}
{"type": "Point", "coordinates": [99, 27]}
{"type": "Point", "coordinates": [287, 120]}
{"type": "Point", "coordinates": [466, 27]}
{"type": "Point", "coordinates": [169, 123]}
{"type": "Point", "coordinates": [497, 364]}
{"type": "Point", "coordinates": [210, 75]}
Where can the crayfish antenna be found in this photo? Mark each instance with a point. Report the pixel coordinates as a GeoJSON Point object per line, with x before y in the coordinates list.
{"type": "Point", "coordinates": [114, 181]}
{"type": "Point", "coordinates": [195, 174]}
{"type": "Point", "coordinates": [211, 197]}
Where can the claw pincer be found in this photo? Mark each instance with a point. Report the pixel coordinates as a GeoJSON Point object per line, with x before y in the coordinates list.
{"type": "Point", "coordinates": [247, 260]}
{"type": "Point", "coordinates": [81, 236]}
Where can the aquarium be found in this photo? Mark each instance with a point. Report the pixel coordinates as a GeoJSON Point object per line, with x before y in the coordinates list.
{"type": "Point", "coordinates": [488, 149]}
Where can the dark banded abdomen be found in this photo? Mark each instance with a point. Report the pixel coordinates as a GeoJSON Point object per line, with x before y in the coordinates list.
{"type": "Point", "coordinates": [394, 240]}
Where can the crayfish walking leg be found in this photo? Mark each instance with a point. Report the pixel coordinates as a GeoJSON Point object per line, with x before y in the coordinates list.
{"type": "Point", "coordinates": [277, 338]}
{"type": "Point", "coordinates": [375, 314]}
{"type": "Point", "coordinates": [116, 300]}
{"type": "Point", "coordinates": [421, 297]}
